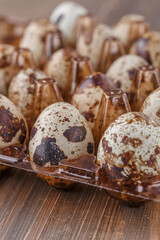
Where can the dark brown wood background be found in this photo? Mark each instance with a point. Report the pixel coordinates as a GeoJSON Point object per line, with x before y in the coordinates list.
{"type": "Point", "coordinates": [30, 209]}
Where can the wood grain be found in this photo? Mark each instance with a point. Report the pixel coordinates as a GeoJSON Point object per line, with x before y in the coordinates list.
{"type": "Point", "coordinates": [30, 209]}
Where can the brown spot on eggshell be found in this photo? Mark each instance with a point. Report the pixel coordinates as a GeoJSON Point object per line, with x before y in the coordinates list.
{"type": "Point", "coordinates": [10, 126]}
{"type": "Point", "coordinates": [66, 119]}
{"type": "Point", "coordinates": [131, 73]}
{"type": "Point", "coordinates": [158, 113]}
{"type": "Point", "coordinates": [33, 132]}
{"type": "Point", "coordinates": [32, 78]}
{"type": "Point", "coordinates": [75, 134]}
{"type": "Point", "coordinates": [30, 90]}
{"type": "Point", "coordinates": [59, 19]}
{"type": "Point", "coordinates": [89, 116]}
{"type": "Point", "coordinates": [157, 150]}
{"type": "Point", "coordinates": [90, 148]}
{"type": "Point", "coordinates": [106, 146]}
{"type": "Point", "coordinates": [135, 142]}
{"type": "Point", "coordinates": [127, 156]}
{"type": "Point", "coordinates": [48, 151]}
{"type": "Point", "coordinates": [118, 84]}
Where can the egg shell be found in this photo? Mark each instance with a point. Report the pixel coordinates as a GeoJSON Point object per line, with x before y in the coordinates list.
{"type": "Point", "coordinates": [90, 44]}
{"type": "Point", "coordinates": [22, 90]}
{"type": "Point", "coordinates": [13, 128]}
{"type": "Point", "coordinates": [123, 28]}
{"type": "Point", "coordinates": [34, 35]}
{"type": "Point", "coordinates": [121, 72]}
{"type": "Point", "coordinates": [6, 51]}
{"type": "Point", "coordinates": [65, 16]}
{"type": "Point", "coordinates": [151, 106]}
{"type": "Point", "coordinates": [59, 66]}
{"type": "Point", "coordinates": [88, 95]}
{"type": "Point", "coordinates": [60, 132]}
{"type": "Point", "coordinates": [130, 149]}
{"type": "Point", "coordinates": [148, 47]}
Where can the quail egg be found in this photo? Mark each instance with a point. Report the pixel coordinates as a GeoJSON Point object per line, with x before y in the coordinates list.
{"type": "Point", "coordinates": [90, 44]}
{"type": "Point", "coordinates": [6, 52]}
{"type": "Point", "coordinates": [130, 149]}
{"type": "Point", "coordinates": [34, 39]}
{"type": "Point", "coordinates": [122, 71]}
{"type": "Point", "coordinates": [65, 15]}
{"type": "Point", "coordinates": [60, 132]}
{"type": "Point", "coordinates": [59, 66]}
{"type": "Point", "coordinates": [148, 47]}
{"type": "Point", "coordinates": [22, 91]}
{"type": "Point", "coordinates": [13, 128]}
{"type": "Point", "coordinates": [130, 28]}
{"type": "Point", "coordinates": [151, 106]}
{"type": "Point", "coordinates": [88, 95]}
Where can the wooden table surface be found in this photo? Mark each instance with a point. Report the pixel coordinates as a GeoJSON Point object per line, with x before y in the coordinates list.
{"type": "Point", "coordinates": [30, 209]}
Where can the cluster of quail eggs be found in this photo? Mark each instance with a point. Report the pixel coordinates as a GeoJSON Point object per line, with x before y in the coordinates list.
{"type": "Point", "coordinates": [66, 79]}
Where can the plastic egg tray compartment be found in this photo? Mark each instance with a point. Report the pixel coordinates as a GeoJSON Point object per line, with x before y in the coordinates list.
{"type": "Point", "coordinates": [84, 170]}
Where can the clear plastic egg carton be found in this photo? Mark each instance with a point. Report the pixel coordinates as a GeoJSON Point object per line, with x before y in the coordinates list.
{"type": "Point", "coordinates": [84, 170]}
{"type": "Point", "coordinates": [141, 80]}
{"type": "Point", "coordinates": [11, 29]}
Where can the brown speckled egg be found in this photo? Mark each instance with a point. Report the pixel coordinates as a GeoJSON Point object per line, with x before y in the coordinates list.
{"type": "Point", "coordinates": [130, 28]}
{"type": "Point", "coordinates": [60, 132]}
{"type": "Point", "coordinates": [151, 106]}
{"type": "Point", "coordinates": [59, 66]}
{"type": "Point", "coordinates": [122, 71]}
{"type": "Point", "coordinates": [148, 47]}
{"type": "Point", "coordinates": [22, 90]}
{"type": "Point", "coordinates": [88, 95]}
{"type": "Point", "coordinates": [34, 38]}
{"type": "Point", "coordinates": [66, 15]}
{"type": "Point", "coordinates": [91, 43]}
{"type": "Point", "coordinates": [6, 52]}
{"type": "Point", "coordinates": [13, 128]}
{"type": "Point", "coordinates": [130, 149]}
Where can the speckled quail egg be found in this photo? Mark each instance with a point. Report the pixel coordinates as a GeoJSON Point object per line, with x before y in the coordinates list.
{"type": "Point", "coordinates": [6, 52]}
{"type": "Point", "coordinates": [148, 47]}
{"type": "Point", "coordinates": [151, 106]}
{"type": "Point", "coordinates": [59, 66]}
{"type": "Point", "coordinates": [130, 149]}
{"type": "Point", "coordinates": [88, 95]}
{"type": "Point", "coordinates": [90, 44]}
{"type": "Point", "coordinates": [65, 15]}
{"type": "Point", "coordinates": [22, 91]}
{"type": "Point", "coordinates": [34, 39]}
{"type": "Point", "coordinates": [121, 72]}
{"type": "Point", "coordinates": [13, 128]}
{"type": "Point", "coordinates": [60, 132]}
{"type": "Point", "coordinates": [130, 28]}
